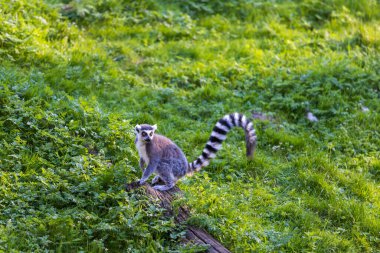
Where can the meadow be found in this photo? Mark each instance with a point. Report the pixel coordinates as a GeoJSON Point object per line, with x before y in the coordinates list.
{"type": "Point", "coordinates": [77, 76]}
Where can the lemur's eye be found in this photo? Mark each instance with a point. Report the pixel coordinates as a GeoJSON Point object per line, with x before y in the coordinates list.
{"type": "Point", "coordinates": [143, 134]}
{"type": "Point", "coordinates": [151, 134]}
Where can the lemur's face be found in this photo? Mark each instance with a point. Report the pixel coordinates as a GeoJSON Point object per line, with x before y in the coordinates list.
{"type": "Point", "coordinates": [144, 132]}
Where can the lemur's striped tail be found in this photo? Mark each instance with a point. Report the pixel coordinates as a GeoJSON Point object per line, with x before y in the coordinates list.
{"type": "Point", "coordinates": [219, 134]}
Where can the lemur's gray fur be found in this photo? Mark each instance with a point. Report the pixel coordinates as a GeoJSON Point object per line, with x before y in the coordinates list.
{"type": "Point", "coordinates": [166, 159]}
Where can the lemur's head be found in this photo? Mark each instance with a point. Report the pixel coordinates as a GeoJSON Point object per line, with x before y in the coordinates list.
{"type": "Point", "coordinates": [144, 132]}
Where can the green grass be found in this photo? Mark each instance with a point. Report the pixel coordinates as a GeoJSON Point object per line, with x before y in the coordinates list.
{"type": "Point", "coordinates": [76, 76]}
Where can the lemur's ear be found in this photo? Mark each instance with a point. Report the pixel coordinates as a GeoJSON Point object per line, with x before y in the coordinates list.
{"type": "Point", "coordinates": [137, 128]}
{"type": "Point", "coordinates": [154, 127]}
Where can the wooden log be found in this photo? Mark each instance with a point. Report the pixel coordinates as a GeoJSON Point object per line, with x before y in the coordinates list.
{"type": "Point", "coordinates": [195, 235]}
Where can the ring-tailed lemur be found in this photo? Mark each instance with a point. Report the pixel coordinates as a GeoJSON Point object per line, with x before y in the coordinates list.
{"type": "Point", "coordinates": [167, 160]}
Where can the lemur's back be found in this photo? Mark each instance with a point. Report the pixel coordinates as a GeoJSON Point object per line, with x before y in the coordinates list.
{"type": "Point", "coordinates": [164, 148]}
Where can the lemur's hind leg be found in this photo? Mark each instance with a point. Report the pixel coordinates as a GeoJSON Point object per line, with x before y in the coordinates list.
{"type": "Point", "coordinates": [167, 176]}
{"type": "Point", "coordinates": [164, 187]}
{"type": "Point", "coordinates": [155, 179]}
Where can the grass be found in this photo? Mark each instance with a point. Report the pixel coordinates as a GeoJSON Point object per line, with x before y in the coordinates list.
{"type": "Point", "coordinates": [76, 76]}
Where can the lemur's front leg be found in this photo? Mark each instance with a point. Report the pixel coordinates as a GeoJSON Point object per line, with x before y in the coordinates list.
{"type": "Point", "coordinates": [142, 166]}
{"type": "Point", "coordinates": [142, 163]}
{"type": "Point", "coordinates": [148, 171]}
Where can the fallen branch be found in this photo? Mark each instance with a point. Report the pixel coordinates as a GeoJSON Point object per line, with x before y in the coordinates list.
{"type": "Point", "coordinates": [195, 235]}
